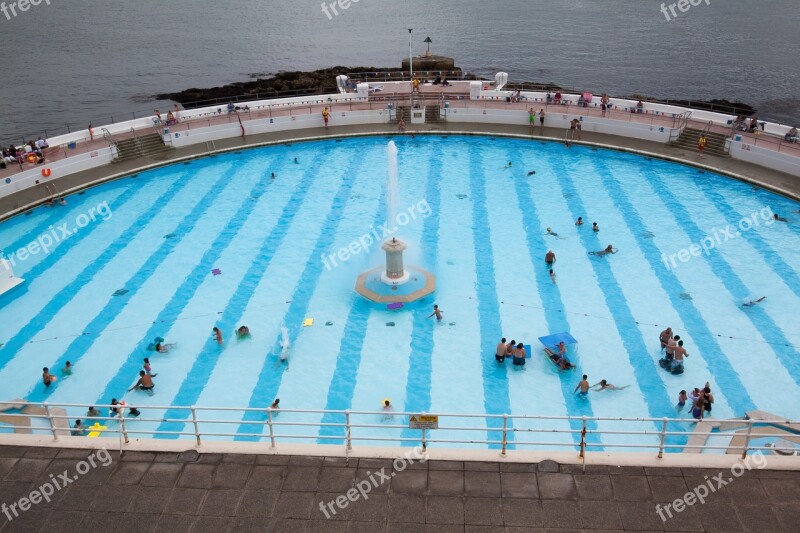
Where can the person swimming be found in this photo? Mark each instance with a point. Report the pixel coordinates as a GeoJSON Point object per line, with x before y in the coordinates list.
{"type": "Point", "coordinates": [551, 232]}
{"type": "Point", "coordinates": [508, 165]}
{"type": "Point", "coordinates": [595, 227]}
{"type": "Point", "coordinates": [436, 312]}
{"type": "Point", "coordinates": [243, 332]}
{"type": "Point", "coordinates": [531, 172]}
{"type": "Point", "coordinates": [579, 222]}
{"type": "Point", "coordinates": [163, 348]}
{"type": "Point", "coordinates": [779, 219]}
{"type": "Point", "coordinates": [605, 385]}
{"type": "Point", "coordinates": [553, 277]}
{"type": "Point", "coordinates": [749, 302]}
{"type": "Point", "coordinates": [607, 250]}
{"type": "Point", "coordinates": [275, 404]}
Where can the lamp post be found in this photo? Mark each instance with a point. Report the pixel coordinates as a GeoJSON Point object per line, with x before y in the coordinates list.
{"type": "Point", "coordinates": [410, 57]}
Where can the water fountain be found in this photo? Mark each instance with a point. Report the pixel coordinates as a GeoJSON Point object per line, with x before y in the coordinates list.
{"type": "Point", "coordinates": [396, 282]}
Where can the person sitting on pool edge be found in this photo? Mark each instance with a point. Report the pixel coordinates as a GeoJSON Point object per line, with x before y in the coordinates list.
{"type": "Point", "coordinates": [144, 383]}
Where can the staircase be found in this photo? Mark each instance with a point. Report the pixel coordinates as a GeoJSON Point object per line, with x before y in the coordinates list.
{"type": "Point", "coordinates": [402, 112]}
{"type": "Point", "coordinates": [689, 138]}
{"type": "Point", "coordinates": [433, 115]}
{"type": "Point", "coordinates": [151, 145]}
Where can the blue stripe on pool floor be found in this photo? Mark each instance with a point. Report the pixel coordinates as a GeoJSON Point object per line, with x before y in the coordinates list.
{"type": "Point", "coordinates": [551, 299]}
{"type": "Point", "coordinates": [495, 377]}
{"type": "Point", "coordinates": [348, 359]}
{"type": "Point", "coordinates": [65, 295]}
{"type": "Point", "coordinates": [645, 370]}
{"type": "Point", "coordinates": [771, 257]}
{"type": "Point", "coordinates": [418, 379]}
{"type": "Point", "coordinates": [78, 347]}
{"type": "Point", "coordinates": [760, 319]}
{"type": "Point", "coordinates": [186, 291]}
{"type": "Point", "coordinates": [75, 238]}
{"type": "Point", "coordinates": [196, 379]}
{"type": "Point", "coordinates": [269, 379]}
{"type": "Point", "coordinates": [715, 358]}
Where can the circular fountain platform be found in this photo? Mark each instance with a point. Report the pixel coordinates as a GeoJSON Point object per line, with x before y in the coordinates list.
{"type": "Point", "coordinates": [420, 283]}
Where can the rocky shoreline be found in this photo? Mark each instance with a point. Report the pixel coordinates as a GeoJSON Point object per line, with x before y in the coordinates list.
{"type": "Point", "coordinates": [324, 81]}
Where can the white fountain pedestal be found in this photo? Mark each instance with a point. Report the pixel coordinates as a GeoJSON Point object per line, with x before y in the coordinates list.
{"type": "Point", "coordinates": [7, 279]}
{"type": "Point", "coordinates": [394, 274]}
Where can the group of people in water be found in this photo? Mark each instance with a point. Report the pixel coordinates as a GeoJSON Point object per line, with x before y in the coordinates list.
{"type": "Point", "coordinates": [674, 352]}
{"type": "Point", "coordinates": [701, 401]}
{"type": "Point", "coordinates": [515, 350]}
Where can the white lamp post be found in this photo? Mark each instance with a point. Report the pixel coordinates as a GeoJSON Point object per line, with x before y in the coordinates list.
{"type": "Point", "coordinates": [410, 57]}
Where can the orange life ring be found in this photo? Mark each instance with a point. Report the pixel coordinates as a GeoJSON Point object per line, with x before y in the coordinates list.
{"type": "Point", "coordinates": [32, 158]}
{"type": "Point", "coordinates": [46, 172]}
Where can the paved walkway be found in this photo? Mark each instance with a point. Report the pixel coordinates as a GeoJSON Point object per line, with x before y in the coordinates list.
{"type": "Point", "coordinates": [216, 493]}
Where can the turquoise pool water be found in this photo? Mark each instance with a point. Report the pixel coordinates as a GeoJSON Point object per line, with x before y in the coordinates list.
{"type": "Point", "coordinates": [219, 242]}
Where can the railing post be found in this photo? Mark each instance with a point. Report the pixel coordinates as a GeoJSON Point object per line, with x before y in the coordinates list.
{"type": "Point", "coordinates": [347, 430]}
{"type": "Point", "coordinates": [583, 438]}
{"type": "Point", "coordinates": [122, 424]}
{"type": "Point", "coordinates": [196, 428]}
{"type": "Point", "coordinates": [505, 435]}
{"type": "Point", "coordinates": [747, 439]}
{"type": "Point", "coordinates": [52, 422]}
{"type": "Point", "coordinates": [663, 438]}
{"type": "Point", "coordinates": [424, 443]}
{"type": "Point", "coordinates": [271, 431]}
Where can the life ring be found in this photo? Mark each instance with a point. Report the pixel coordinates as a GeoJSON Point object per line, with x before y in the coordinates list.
{"type": "Point", "coordinates": [32, 158]}
{"type": "Point", "coordinates": [46, 172]}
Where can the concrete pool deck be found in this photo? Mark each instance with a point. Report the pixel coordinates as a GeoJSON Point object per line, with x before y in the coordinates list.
{"type": "Point", "coordinates": [779, 182]}
{"type": "Point", "coordinates": [144, 491]}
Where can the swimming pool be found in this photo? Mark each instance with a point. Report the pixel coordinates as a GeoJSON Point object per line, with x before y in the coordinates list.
{"type": "Point", "coordinates": [218, 242]}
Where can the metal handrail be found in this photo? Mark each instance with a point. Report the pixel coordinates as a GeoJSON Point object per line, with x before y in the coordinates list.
{"type": "Point", "coordinates": [348, 430]}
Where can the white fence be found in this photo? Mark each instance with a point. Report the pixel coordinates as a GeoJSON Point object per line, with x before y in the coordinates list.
{"type": "Point", "coordinates": [346, 428]}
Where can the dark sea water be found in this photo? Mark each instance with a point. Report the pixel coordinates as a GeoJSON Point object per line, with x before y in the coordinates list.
{"type": "Point", "coordinates": [76, 61]}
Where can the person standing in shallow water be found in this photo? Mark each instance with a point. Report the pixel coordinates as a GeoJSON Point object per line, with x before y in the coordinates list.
{"type": "Point", "coordinates": [500, 352]}
{"type": "Point", "coordinates": [436, 312]}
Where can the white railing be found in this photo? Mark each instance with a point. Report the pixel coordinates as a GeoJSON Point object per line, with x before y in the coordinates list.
{"type": "Point", "coordinates": [504, 431]}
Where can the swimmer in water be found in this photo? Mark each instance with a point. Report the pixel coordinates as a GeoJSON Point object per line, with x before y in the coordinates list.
{"type": "Point", "coordinates": [531, 172]}
{"type": "Point", "coordinates": [550, 258]}
{"type": "Point", "coordinates": [608, 250]}
{"type": "Point", "coordinates": [508, 165]}
{"type": "Point", "coordinates": [147, 368]}
{"type": "Point", "coordinates": [583, 386]}
{"type": "Point", "coordinates": [145, 382]}
{"type": "Point", "coordinates": [551, 232]}
{"type": "Point", "coordinates": [500, 351]}
{"type": "Point", "coordinates": [275, 404]}
{"type": "Point", "coordinates": [779, 219]}
{"type": "Point", "coordinates": [605, 385]}
{"type": "Point", "coordinates": [553, 277]}
{"type": "Point", "coordinates": [296, 162]}
{"type": "Point", "coordinates": [218, 335]}
{"type": "Point", "coordinates": [560, 348]}
{"type": "Point", "coordinates": [436, 312]}
{"type": "Point", "coordinates": [579, 222]}
{"type": "Point", "coordinates": [595, 227]}
{"type": "Point", "coordinates": [751, 303]}
{"type": "Point", "coordinates": [163, 348]}
{"type": "Point", "coordinates": [67, 370]}
{"type": "Point", "coordinates": [243, 332]}
{"type": "Point", "coordinates": [273, 175]}
{"type": "Point", "coordinates": [681, 401]}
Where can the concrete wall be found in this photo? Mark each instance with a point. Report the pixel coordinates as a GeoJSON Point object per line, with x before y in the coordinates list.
{"type": "Point", "coordinates": [765, 157]}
